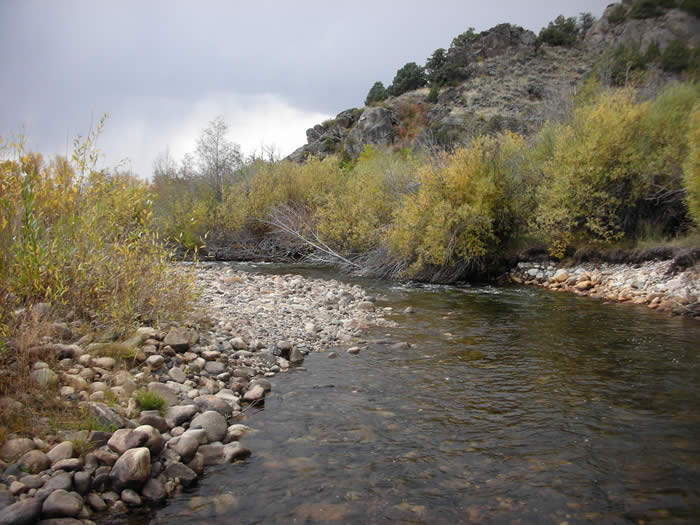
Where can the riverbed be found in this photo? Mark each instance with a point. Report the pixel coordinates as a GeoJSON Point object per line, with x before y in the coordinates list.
{"type": "Point", "coordinates": [511, 405]}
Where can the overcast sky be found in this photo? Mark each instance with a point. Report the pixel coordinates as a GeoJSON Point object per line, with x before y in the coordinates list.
{"type": "Point", "coordinates": [163, 69]}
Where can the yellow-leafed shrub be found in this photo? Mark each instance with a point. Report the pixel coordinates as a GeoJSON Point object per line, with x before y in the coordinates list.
{"type": "Point", "coordinates": [691, 168]}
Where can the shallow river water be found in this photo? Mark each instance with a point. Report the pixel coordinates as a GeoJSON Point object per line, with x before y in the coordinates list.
{"type": "Point", "coordinates": [513, 405]}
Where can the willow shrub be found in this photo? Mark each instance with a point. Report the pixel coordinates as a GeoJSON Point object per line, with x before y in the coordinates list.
{"type": "Point", "coordinates": [468, 204]}
{"type": "Point", "coordinates": [83, 240]}
{"type": "Point", "coordinates": [614, 165]}
{"type": "Point", "coordinates": [356, 215]}
{"type": "Point", "coordinates": [691, 167]}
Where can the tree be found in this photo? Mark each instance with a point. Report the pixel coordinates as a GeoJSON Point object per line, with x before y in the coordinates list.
{"type": "Point", "coordinates": [377, 93]}
{"type": "Point", "coordinates": [585, 22]}
{"type": "Point", "coordinates": [562, 32]}
{"type": "Point", "coordinates": [434, 64]}
{"type": "Point", "coordinates": [217, 157]}
{"type": "Point", "coordinates": [164, 167]}
{"type": "Point", "coordinates": [411, 76]}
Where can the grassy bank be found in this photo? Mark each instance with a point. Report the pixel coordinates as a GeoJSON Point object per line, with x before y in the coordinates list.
{"type": "Point", "coordinates": [79, 255]}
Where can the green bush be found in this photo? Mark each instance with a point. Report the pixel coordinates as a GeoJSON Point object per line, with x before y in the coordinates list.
{"type": "Point", "coordinates": [411, 76]}
{"type": "Point", "coordinates": [676, 56]}
{"type": "Point", "coordinates": [617, 15]}
{"type": "Point", "coordinates": [434, 64]}
{"type": "Point", "coordinates": [562, 32]}
{"type": "Point", "coordinates": [691, 167]}
{"type": "Point", "coordinates": [150, 401]}
{"type": "Point", "coordinates": [650, 8]}
{"type": "Point", "coordinates": [377, 93]}
{"type": "Point", "coordinates": [433, 95]}
{"type": "Point", "coordinates": [691, 6]}
{"type": "Point", "coordinates": [653, 52]}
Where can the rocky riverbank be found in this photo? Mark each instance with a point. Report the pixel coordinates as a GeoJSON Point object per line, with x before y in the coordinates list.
{"type": "Point", "coordinates": [250, 328]}
{"type": "Point", "coordinates": [660, 285]}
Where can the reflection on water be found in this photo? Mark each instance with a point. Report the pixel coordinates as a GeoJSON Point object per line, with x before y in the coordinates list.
{"type": "Point", "coordinates": [513, 405]}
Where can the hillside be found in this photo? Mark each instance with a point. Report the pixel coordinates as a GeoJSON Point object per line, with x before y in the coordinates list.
{"type": "Point", "coordinates": [508, 78]}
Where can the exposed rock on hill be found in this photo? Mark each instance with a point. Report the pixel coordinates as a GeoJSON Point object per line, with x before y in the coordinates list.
{"type": "Point", "coordinates": [506, 78]}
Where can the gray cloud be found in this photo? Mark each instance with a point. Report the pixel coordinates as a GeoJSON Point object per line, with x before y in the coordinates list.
{"type": "Point", "coordinates": [159, 67]}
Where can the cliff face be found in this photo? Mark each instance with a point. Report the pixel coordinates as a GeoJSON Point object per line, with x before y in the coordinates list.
{"type": "Point", "coordinates": [511, 82]}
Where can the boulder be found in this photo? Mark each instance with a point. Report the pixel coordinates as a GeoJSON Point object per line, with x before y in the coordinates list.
{"type": "Point", "coordinates": [375, 127]}
{"type": "Point", "coordinates": [155, 441]}
{"type": "Point", "coordinates": [213, 423]}
{"type": "Point", "coordinates": [177, 415]}
{"type": "Point", "coordinates": [125, 439]}
{"type": "Point", "coordinates": [43, 377]}
{"type": "Point", "coordinates": [132, 469]}
{"type": "Point", "coordinates": [154, 419]}
{"type": "Point", "coordinates": [34, 462]}
{"type": "Point", "coordinates": [164, 391]}
{"type": "Point", "coordinates": [177, 470]}
{"type": "Point", "coordinates": [96, 502]}
{"type": "Point", "coordinates": [15, 448]}
{"type": "Point", "coordinates": [207, 403]}
{"type": "Point", "coordinates": [180, 339]}
{"type": "Point", "coordinates": [185, 447]}
{"type": "Point", "coordinates": [24, 512]}
{"type": "Point", "coordinates": [108, 416]}
{"type": "Point", "coordinates": [154, 491]}
{"type": "Point", "coordinates": [256, 393]}
{"type": "Point", "coordinates": [63, 450]}
{"type": "Point", "coordinates": [177, 375]}
{"type": "Point", "coordinates": [215, 367]}
{"type": "Point", "coordinates": [62, 481]}
{"type": "Point", "coordinates": [295, 356]}
{"type": "Point", "coordinates": [62, 504]}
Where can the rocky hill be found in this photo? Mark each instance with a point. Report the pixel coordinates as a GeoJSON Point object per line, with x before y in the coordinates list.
{"type": "Point", "coordinates": [509, 80]}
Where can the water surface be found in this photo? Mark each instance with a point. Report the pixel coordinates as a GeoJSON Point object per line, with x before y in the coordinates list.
{"type": "Point", "coordinates": [513, 405]}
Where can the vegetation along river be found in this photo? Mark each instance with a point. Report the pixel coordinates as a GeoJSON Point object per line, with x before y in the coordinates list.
{"type": "Point", "coordinates": [513, 405]}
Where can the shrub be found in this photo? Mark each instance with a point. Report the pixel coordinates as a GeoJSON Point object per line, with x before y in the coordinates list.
{"type": "Point", "coordinates": [411, 76]}
{"type": "Point", "coordinates": [653, 52]}
{"type": "Point", "coordinates": [377, 93]}
{"type": "Point", "coordinates": [676, 56]}
{"type": "Point", "coordinates": [691, 6]}
{"type": "Point", "coordinates": [691, 167]}
{"type": "Point", "coordinates": [562, 32]}
{"type": "Point", "coordinates": [468, 203]}
{"type": "Point", "coordinates": [434, 64]}
{"type": "Point", "coordinates": [432, 97]}
{"type": "Point", "coordinates": [650, 8]}
{"type": "Point", "coordinates": [617, 15]}
{"type": "Point", "coordinates": [150, 401]}
{"type": "Point", "coordinates": [620, 65]}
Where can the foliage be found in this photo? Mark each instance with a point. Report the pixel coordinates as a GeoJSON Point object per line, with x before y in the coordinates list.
{"type": "Point", "coordinates": [411, 76]}
{"type": "Point", "coordinates": [561, 32]}
{"type": "Point", "coordinates": [614, 164]}
{"type": "Point", "coordinates": [150, 401]}
{"type": "Point", "coordinates": [357, 214]}
{"type": "Point", "coordinates": [83, 239]}
{"type": "Point", "coordinates": [432, 97]}
{"type": "Point", "coordinates": [434, 64]}
{"type": "Point", "coordinates": [650, 8]}
{"type": "Point", "coordinates": [217, 157]}
{"type": "Point", "coordinates": [621, 65]}
{"type": "Point", "coordinates": [617, 15]}
{"type": "Point", "coordinates": [466, 205]}
{"type": "Point", "coordinates": [676, 56]}
{"type": "Point", "coordinates": [585, 22]}
{"type": "Point", "coordinates": [377, 93]}
{"type": "Point", "coordinates": [691, 6]}
{"type": "Point", "coordinates": [691, 167]}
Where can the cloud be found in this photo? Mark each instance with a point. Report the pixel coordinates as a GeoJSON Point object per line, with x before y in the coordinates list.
{"type": "Point", "coordinates": [143, 127]}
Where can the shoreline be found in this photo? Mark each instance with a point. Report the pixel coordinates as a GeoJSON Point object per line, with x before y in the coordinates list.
{"type": "Point", "coordinates": [658, 285]}
{"type": "Point", "coordinates": [209, 371]}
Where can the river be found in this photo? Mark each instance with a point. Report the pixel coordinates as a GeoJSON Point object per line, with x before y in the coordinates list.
{"type": "Point", "coordinates": [513, 405]}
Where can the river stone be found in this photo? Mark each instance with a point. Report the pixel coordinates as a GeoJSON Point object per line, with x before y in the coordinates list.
{"type": "Point", "coordinates": [234, 451]}
{"type": "Point", "coordinates": [209, 402]}
{"type": "Point", "coordinates": [332, 355]}
{"type": "Point", "coordinates": [163, 391]}
{"type": "Point", "coordinates": [560, 276]}
{"type": "Point", "coordinates": [24, 512]}
{"type": "Point", "coordinates": [104, 362]}
{"type": "Point", "coordinates": [125, 439]}
{"type": "Point", "coordinates": [62, 481]}
{"type": "Point", "coordinates": [177, 375]}
{"type": "Point", "coordinates": [17, 488]}
{"type": "Point", "coordinates": [132, 469]}
{"type": "Point", "coordinates": [183, 472]}
{"type": "Point", "coordinates": [178, 339]}
{"type": "Point", "coordinates": [295, 356]}
{"type": "Point", "coordinates": [256, 393]}
{"type": "Point", "coordinates": [33, 481]}
{"type": "Point", "coordinates": [197, 464]}
{"type": "Point", "coordinates": [213, 423]}
{"type": "Point", "coordinates": [354, 350]}
{"type": "Point", "coordinates": [155, 441]}
{"type": "Point", "coordinates": [63, 450]}
{"type": "Point", "coordinates": [100, 478]}
{"type": "Point", "coordinates": [34, 461]}
{"type": "Point", "coordinates": [106, 457]}
{"type": "Point", "coordinates": [267, 386]}
{"type": "Point", "coordinates": [185, 447]}
{"type": "Point", "coordinates": [215, 367]}
{"type": "Point", "coordinates": [212, 454]}
{"type": "Point", "coordinates": [118, 507]}
{"type": "Point", "coordinates": [177, 415]}
{"type": "Point", "coordinates": [15, 448]}
{"type": "Point", "coordinates": [96, 502]}
{"type": "Point", "coordinates": [154, 491]}
{"type": "Point", "coordinates": [238, 343]}
{"type": "Point", "coordinates": [69, 464]}
{"type": "Point", "coordinates": [62, 504]}
{"type": "Point", "coordinates": [82, 481]}
{"type": "Point", "coordinates": [365, 305]}
{"type": "Point", "coordinates": [266, 358]}
{"type": "Point", "coordinates": [154, 419]}
{"type": "Point", "coordinates": [43, 377]}
{"type": "Point", "coordinates": [131, 497]}
{"type": "Point", "coordinates": [155, 362]}
{"type": "Point", "coordinates": [108, 416]}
